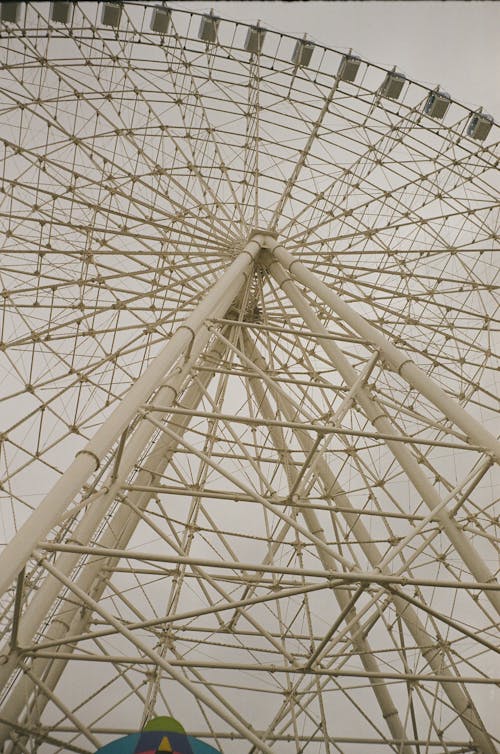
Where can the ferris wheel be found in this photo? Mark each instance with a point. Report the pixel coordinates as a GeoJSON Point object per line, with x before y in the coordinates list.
{"type": "Point", "coordinates": [247, 357]}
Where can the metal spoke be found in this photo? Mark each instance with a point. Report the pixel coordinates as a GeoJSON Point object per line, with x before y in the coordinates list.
{"type": "Point", "coordinates": [248, 351]}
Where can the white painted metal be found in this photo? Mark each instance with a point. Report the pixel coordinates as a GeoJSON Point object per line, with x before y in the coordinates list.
{"type": "Point", "coordinates": [254, 301]}
{"type": "Point", "coordinates": [399, 361]}
{"type": "Point", "coordinates": [346, 604]}
{"type": "Point", "coordinates": [89, 458]}
{"type": "Point", "coordinates": [463, 705]}
{"type": "Point", "coordinates": [223, 709]}
{"type": "Point", "coordinates": [380, 421]}
{"type": "Point", "coordinates": [69, 618]}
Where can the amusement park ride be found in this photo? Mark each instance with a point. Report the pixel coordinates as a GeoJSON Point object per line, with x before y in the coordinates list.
{"type": "Point", "coordinates": [248, 407]}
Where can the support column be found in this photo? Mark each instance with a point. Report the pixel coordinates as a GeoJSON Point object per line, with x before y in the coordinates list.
{"type": "Point", "coordinates": [360, 643]}
{"type": "Point", "coordinates": [70, 619]}
{"type": "Point", "coordinates": [376, 414]}
{"type": "Point", "coordinates": [459, 698]}
{"type": "Point", "coordinates": [87, 460]}
{"type": "Point", "coordinates": [397, 359]}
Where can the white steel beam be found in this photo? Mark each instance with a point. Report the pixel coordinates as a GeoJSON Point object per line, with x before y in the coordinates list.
{"type": "Point", "coordinates": [87, 460]}
{"type": "Point", "coordinates": [300, 670]}
{"type": "Point", "coordinates": [123, 524]}
{"type": "Point", "coordinates": [347, 606]}
{"type": "Point", "coordinates": [213, 700]}
{"type": "Point", "coordinates": [459, 699]}
{"type": "Point", "coordinates": [381, 422]}
{"type": "Point", "coordinates": [394, 357]}
{"type": "Point", "coordinates": [71, 619]}
{"type": "Point", "coordinates": [328, 428]}
{"type": "Point", "coordinates": [265, 502]}
{"type": "Point", "coordinates": [58, 702]}
{"type": "Point", "coordinates": [362, 577]}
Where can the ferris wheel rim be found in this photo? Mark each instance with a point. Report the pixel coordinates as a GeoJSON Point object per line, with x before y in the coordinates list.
{"type": "Point", "coordinates": [272, 342]}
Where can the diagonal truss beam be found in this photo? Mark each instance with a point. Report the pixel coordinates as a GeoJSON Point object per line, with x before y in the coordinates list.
{"type": "Point", "coordinates": [461, 702]}
{"type": "Point", "coordinates": [394, 357]}
{"type": "Point", "coordinates": [192, 335]}
{"type": "Point", "coordinates": [457, 695]}
{"type": "Point", "coordinates": [88, 460]}
{"type": "Point", "coordinates": [70, 620]}
{"type": "Point", "coordinates": [190, 339]}
{"type": "Point", "coordinates": [221, 707]}
{"type": "Point", "coordinates": [381, 421]}
{"type": "Point", "coordinates": [346, 604]}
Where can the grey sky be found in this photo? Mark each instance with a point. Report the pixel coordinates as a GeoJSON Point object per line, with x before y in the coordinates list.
{"type": "Point", "coordinates": [453, 44]}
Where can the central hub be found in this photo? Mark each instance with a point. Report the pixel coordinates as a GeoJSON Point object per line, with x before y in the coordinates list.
{"type": "Point", "coordinates": [264, 232]}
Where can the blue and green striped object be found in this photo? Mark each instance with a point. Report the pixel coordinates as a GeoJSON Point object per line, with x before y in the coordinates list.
{"type": "Point", "coordinates": [162, 735]}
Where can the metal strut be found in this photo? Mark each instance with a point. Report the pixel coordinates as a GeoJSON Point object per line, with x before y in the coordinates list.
{"type": "Point", "coordinates": [166, 376]}
{"type": "Point", "coordinates": [460, 700]}
{"type": "Point", "coordinates": [192, 334]}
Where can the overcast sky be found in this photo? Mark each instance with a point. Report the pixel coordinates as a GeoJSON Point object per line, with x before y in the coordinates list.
{"type": "Point", "coordinates": [453, 44]}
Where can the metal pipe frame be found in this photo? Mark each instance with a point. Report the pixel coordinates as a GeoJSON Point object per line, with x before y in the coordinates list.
{"type": "Point", "coordinates": [88, 460]}
{"type": "Point", "coordinates": [392, 356]}
{"type": "Point", "coordinates": [460, 700]}
{"type": "Point", "coordinates": [93, 578]}
{"type": "Point", "coordinates": [270, 668]}
{"type": "Point", "coordinates": [193, 334]}
{"type": "Point", "coordinates": [381, 422]}
{"type": "Point", "coordinates": [346, 603]}
{"type": "Point", "coordinates": [221, 707]}
{"type": "Point", "coordinates": [327, 428]}
{"type": "Point", "coordinates": [155, 393]}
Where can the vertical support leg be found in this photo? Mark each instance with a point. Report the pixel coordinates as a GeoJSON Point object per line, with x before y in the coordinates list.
{"type": "Point", "coordinates": [41, 521]}
{"type": "Point", "coordinates": [360, 643]}
{"type": "Point", "coordinates": [458, 697]}
{"type": "Point", "coordinates": [382, 423]}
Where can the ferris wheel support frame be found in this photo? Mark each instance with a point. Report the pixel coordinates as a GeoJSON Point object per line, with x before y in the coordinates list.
{"type": "Point", "coordinates": [196, 330]}
{"type": "Point", "coordinates": [395, 358]}
{"type": "Point", "coordinates": [377, 415]}
{"type": "Point", "coordinates": [345, 601]}
{"type": "Point", "coordinates": [193, 334]}
{"type": "Point", "coordinates": [460, 700]}
{"type": "Point", "coordinates": [88, 460]}
{"type": "Point", "coordinates": [221, 707]}
{"type": "Point", "coordinates": [70, 620]}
